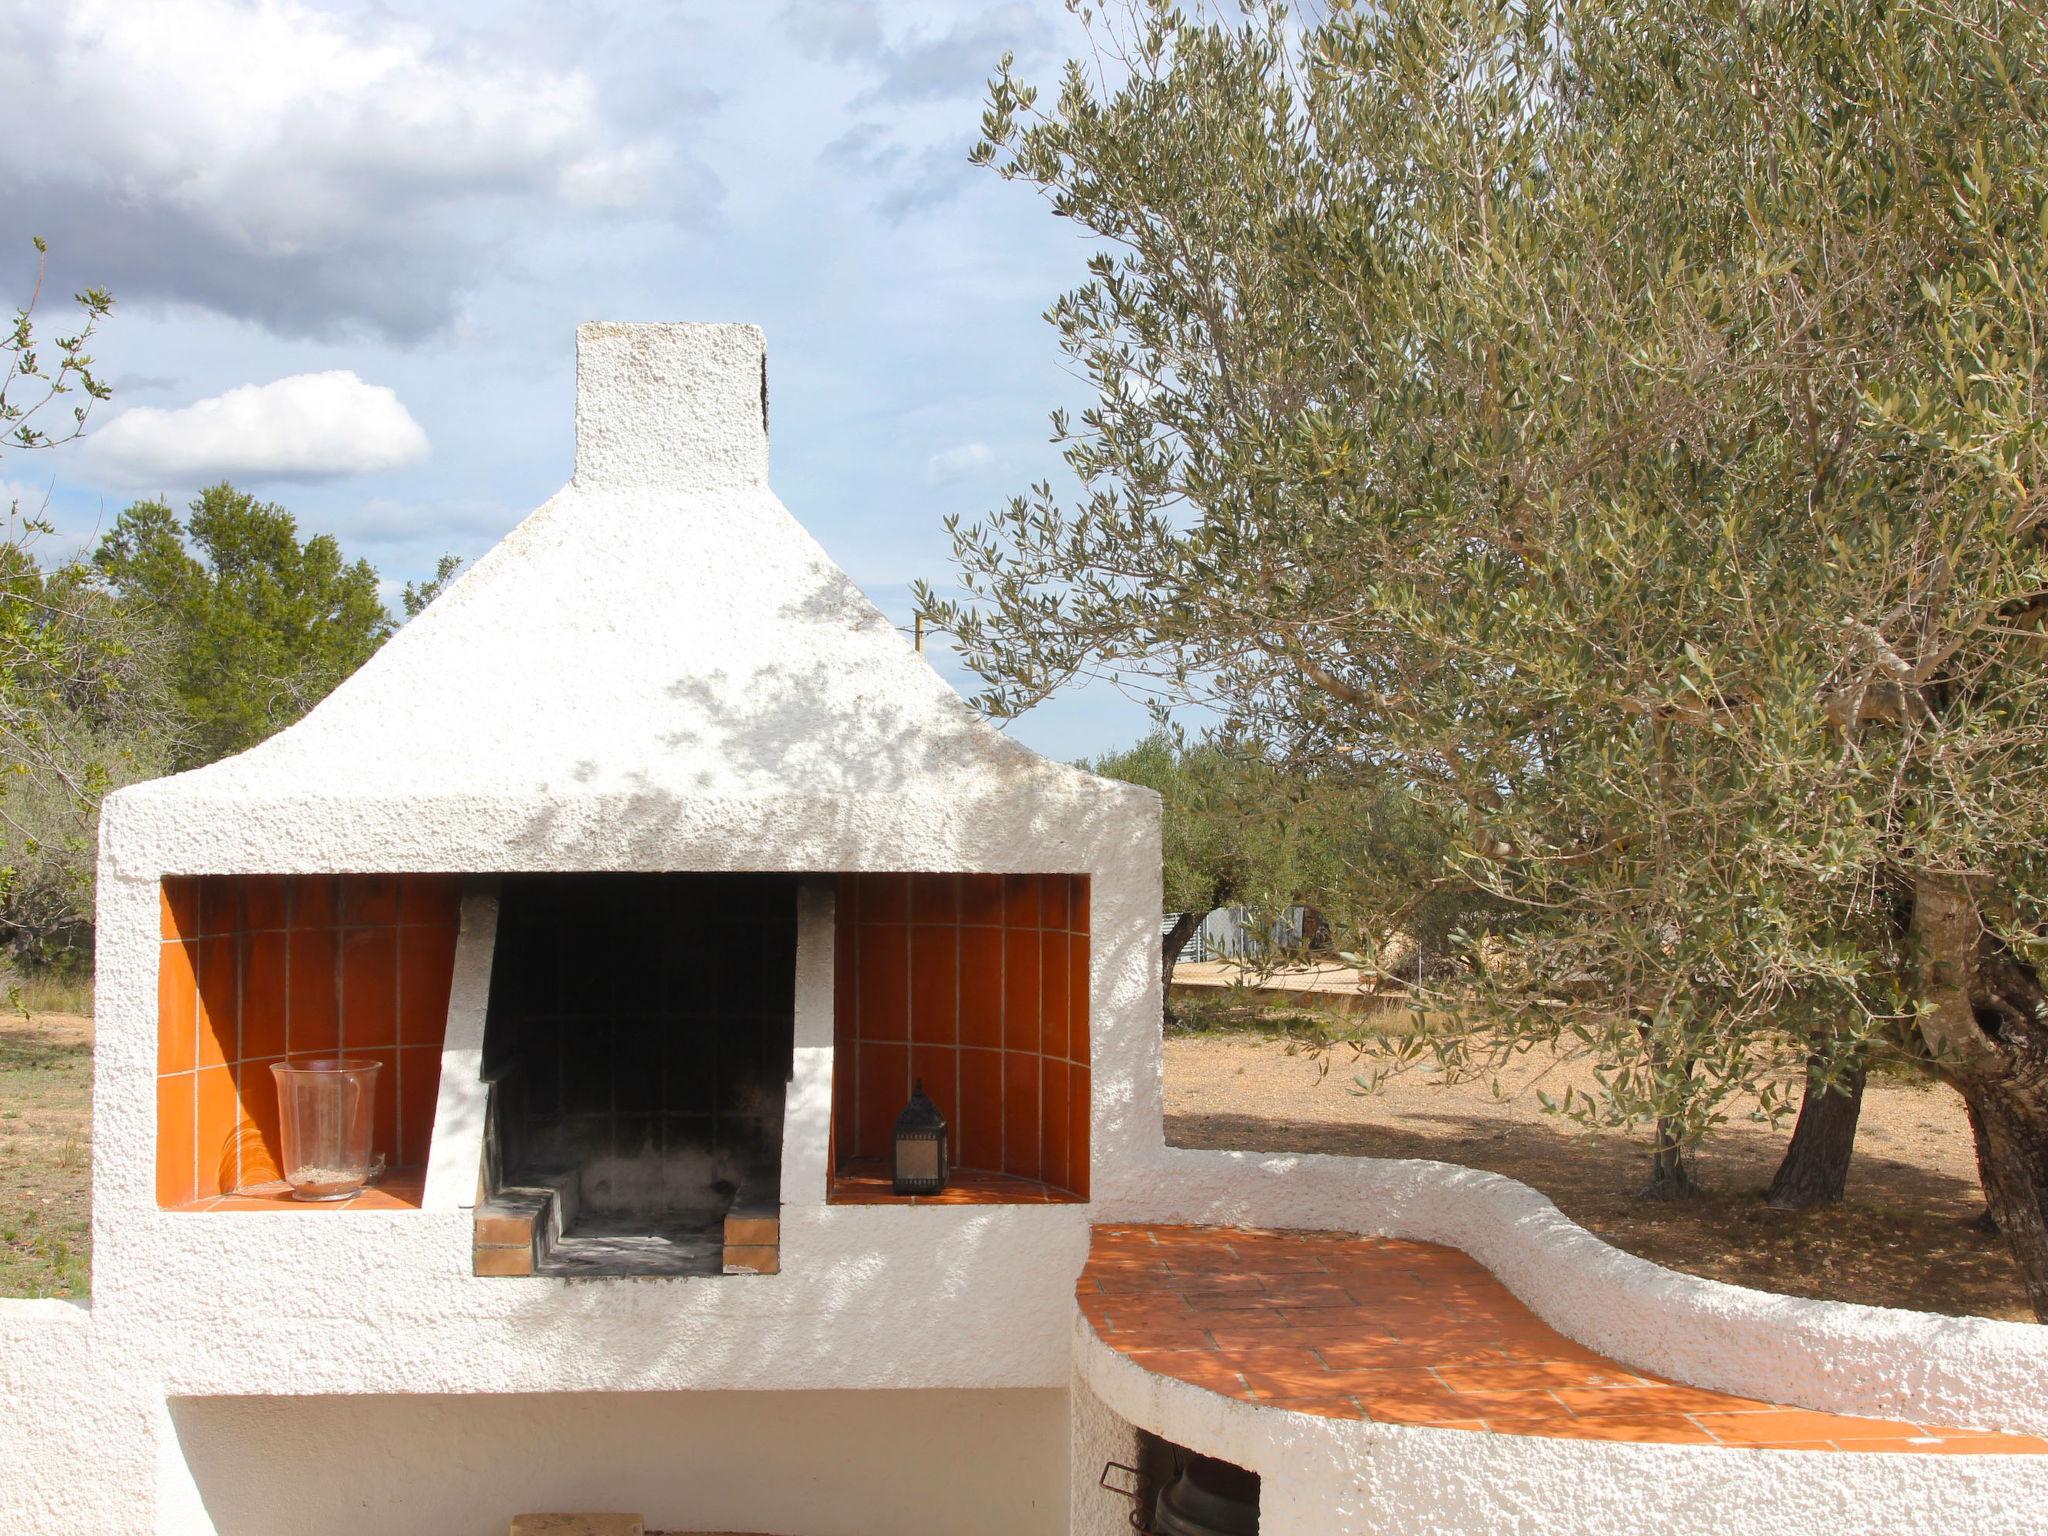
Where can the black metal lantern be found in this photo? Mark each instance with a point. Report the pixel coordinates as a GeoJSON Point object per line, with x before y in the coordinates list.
{"type": "Point", "coordinates": [919, 1166]}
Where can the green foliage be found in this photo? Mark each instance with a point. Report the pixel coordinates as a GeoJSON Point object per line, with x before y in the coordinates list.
{"type": "Point", "coordinates": [33, 381]}
{"type": "Point", "coordinates": [262, 625]}
{"type": "Point", "coordinates": [71, 716]}
{"type": "Point", "coordinates": [1621, 421]}
{"type": "Point", "coordinates": [1240, 829]}
{"type": "Point", "coordinates": [418, 594]}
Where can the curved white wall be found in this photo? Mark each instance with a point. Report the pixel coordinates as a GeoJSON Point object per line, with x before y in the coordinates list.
{"type": "Point", "coordinates": [1886, 1363]}
{"type": "Point", "coordinates": [1343, 1477]}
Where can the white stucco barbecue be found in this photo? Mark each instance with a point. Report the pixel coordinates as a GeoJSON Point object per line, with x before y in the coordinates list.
{"type": "Point", "coordinates": [659, 670]}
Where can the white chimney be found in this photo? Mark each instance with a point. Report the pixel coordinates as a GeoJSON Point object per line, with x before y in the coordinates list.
{"type": "Point", "coordinates": [675, 406]}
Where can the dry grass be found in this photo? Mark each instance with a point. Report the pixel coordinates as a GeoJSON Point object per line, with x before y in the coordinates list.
{"type": "Point", "coordinates": [45, 1166]}
{"type": "Point", "coordinates": [1906, 1236]}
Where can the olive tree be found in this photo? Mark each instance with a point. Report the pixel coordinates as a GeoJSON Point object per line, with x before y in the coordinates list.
{"type": "Point", "coordinates": [1625, 420]}
{"type": "Point", "coordinates": [1242, 829]}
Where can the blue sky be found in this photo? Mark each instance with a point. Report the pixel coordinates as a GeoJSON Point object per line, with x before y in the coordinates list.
{"type": "Point", "coordinates": [350, 243]}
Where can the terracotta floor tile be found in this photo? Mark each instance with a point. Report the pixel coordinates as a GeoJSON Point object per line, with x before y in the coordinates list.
{"type": "Point", "coordinates": [1418, 1410]}
{"type": "Point", "coordinates": [1776, 1425]}
{"type": "Point", "coordinates": [1321, 1407]}
{"type": "Point", "coordinates": [1641, 1429]}
{"type": "Point", "coordinates": [1408, 1333]}
{"type": "Point", "coordinates": [1532, 1376]}
{"type": "Point", "coordinates": [1966, 1445]}
{"type": "Point", "coordinates": [1794, 1445]}
{"type": "Point", "coordinates": [1162, 1339]}
{"type": "Point", "coordinates": [1628, 1401]}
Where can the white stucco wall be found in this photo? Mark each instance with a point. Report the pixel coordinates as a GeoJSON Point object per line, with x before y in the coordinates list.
{"type": "Point", "coordinates": [788, 1463]}
{"type": "Point", "coordinates": [78, 1434]}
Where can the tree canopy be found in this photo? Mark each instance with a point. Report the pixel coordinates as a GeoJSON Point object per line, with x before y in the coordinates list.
{"type": "Point", "coordinates": [1624, 421]}
{"type": "Point", "coordinates": [264, 626]}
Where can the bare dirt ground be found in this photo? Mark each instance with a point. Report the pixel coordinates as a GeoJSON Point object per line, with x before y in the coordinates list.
{"type": "Point", "coordinates": [45, 1162]}
{"type": "Point", "coordinates": [1904, 1237]}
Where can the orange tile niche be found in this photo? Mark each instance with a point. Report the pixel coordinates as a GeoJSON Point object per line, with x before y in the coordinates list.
{"type": "Point", "coordinates": [257, 969]}
{"type": "Point", "coordinates": [978, 986]}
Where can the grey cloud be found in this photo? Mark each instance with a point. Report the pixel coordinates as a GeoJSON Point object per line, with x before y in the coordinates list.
{"type": "Point", "coordinates": [374, 201]}
{"type": "Point", "coordinates": [925, 65]}
{"type": "Point", "coordinates": [911, 180]}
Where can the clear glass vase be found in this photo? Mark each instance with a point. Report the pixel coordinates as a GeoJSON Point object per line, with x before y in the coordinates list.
{"type": "Point", "coordinates": [327, 1112]}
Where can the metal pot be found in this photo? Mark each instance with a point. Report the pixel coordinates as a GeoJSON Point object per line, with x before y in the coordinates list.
{"type": "Point", "coordinates": [1209, 1498]}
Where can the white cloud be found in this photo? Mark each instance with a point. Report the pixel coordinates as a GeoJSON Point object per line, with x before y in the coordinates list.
{"type": "Point", "coordinates": [957, 463]}
{"type": "Point", "coordinates": [310, 426]}
{"type": "Point", "coordinates": [299, 166]}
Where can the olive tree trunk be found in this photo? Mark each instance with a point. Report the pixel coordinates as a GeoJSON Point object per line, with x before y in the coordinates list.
{"type": "Point", "coordinates": [1815, 1170]}
{"type": "Point", "coordinates": [1670, 1167]}
{"type": "Point", "coordinates": [1984, 1014]}
{"type": "Point", "coordinates": [1170, 946]}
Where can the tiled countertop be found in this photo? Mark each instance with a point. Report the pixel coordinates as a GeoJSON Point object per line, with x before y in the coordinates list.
{"type": "Point", "coordinates": [1413, 1333]}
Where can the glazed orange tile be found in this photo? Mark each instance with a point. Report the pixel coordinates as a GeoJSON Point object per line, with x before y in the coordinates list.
{"type": "Point", "coordinates": [1080, 1109]}
{"type": "Point", "coordinates": [1078, 894]}
{"type": "Point", "coordinates": [935, 899]}
{"type": "Point", "coordinates": [1052, 994]}
{"type": "Point", "coordinates": [312, 1003]}
{"type": "Point", "coordinates": [937, 1067]}
{"type": "Point", "coordinates": [177, 1179]}
{"type": "Point", "coordinates": [369, 901]}
{"type": "Point", "coordinates": [935, 985]}
{"type": "Point", "coordinates": [426, 969]}
{"type": "Point", "coordinates": [180, 907]}
{"type": "Point", "coordinates": [384, 1138]}
{"type": "Point", "coordinates": [419, 1088]}
{"type": "Point", "coordinates": [1022, 901]}
{"type": "Point", "coordinates": [980, 1143]}
{"type": "Point", "coordinates": [217, 1119]}
{"type": "Point", "coordinates": [369, 989]}
{"type": "Point", "coordinates": [981, 900]}
{"type": "Point", "coordinates": [263, 903]}
{"type": "Point", "coordinates": [1053, 1122]}
{"type": "Point", "coordinates": [981, 987]}
{"type": "Point", "coordinates": [884, 899]}
{"type": "Point", "coordinates": [845, 1084]}
{"type": "Point", "coordinates": [884, 1090]}
{"type": "Point", "coordinates": [882, 985]}
{"type": "Point", "coordinates": [430, 900]}
{"type": "Point", "coordinates": [177, 1006]}
{"type": "Point", "coordinates": [1079, 1045]}
{"type": "Point", "coordinates": [259, 1136]}
{"type": "Point", "coordinates": [219, 964]}
{"type": "Point", "coordinates": [1021, 1022]}
{"type": "Point", "coordinates": [220, 905]}
{"type": "Point", "coordinates": [1020, 1115]}
{"type": "Point", "coordinates": [263, 994]}
{"type": "Point", "coordinates": [1055, 902]}
{"type": "Point", "coordinates": [311, 899]}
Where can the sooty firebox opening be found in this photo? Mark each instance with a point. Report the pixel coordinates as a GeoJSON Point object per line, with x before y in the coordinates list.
{"type": "Point", "coordinates": [638, 1044]}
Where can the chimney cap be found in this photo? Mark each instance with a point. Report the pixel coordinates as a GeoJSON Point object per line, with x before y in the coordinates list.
{"type": "Point", "coordinates": [675, 406]}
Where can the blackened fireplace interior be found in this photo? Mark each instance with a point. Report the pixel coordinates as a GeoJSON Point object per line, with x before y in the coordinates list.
{"type": "Point", "coordinates": [639, 1043]}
